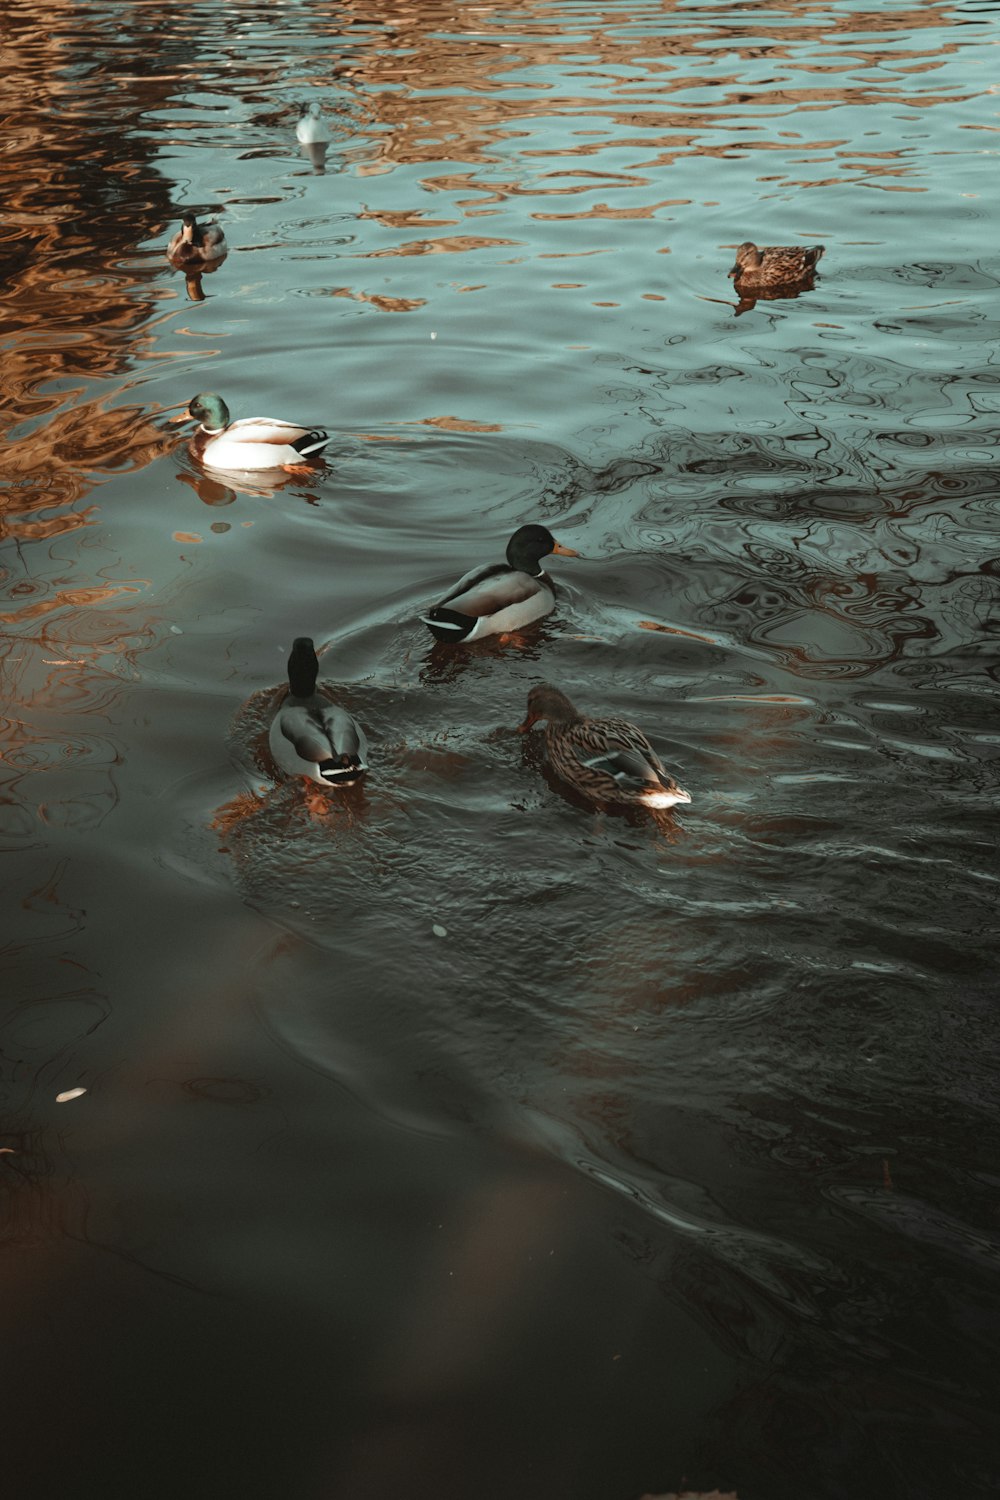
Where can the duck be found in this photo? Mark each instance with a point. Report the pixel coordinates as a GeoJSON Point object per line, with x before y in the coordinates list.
{"type": "Point", "coordinates": [250, 443]}
{"type": "Point", "coordinates": [196, 244]}
{"type": "Point", "coordinates": [774, 265]}
{"type": "Point", "coordinates": [498, 598]}
{"type": "Point", "coordinates": [608, 760]}
{"type": "Point", "coordinates": [311, 128]}
{"type": "Point", "coordinates": [311, 736]}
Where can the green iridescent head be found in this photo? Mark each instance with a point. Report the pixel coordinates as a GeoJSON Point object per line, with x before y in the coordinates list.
{"type": "Point", "coordinates": [210, 410]}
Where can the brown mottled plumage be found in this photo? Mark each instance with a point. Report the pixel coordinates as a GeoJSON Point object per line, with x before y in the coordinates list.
{"type": "Point", "coordinates": [774, 265]}
{"type": "Point", "coordinates": [196, 244]}
{"type": "Point", "coordinates": [608, 760]}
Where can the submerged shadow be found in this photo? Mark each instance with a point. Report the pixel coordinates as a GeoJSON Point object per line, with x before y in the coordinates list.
{"type": "Point", "coordinates": [750, 295]}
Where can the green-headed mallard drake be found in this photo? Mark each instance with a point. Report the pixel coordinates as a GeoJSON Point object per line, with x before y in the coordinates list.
{"type": "Point", "coordinates": [309, 735]}
{"type": "Point", "coordinates": [500, 597]}
{"type": "Point", "coordinates": [312, 129]}
{"type": "Point", "coordinates": [195, 244]}
{"type": "Point", "coordinates": [250, 443]}
{"type": "Point", "coordinates": [774, 265]}
{"type": "Point", "coordinates": [608, 760]}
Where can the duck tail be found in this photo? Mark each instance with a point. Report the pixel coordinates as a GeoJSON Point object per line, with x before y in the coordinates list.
{"type": "Point", "coordinates": [336, 773]}
{"type": "Point", "coordinates": [311, 442]}
{"type": "Point", "coordinates": [448, 624]}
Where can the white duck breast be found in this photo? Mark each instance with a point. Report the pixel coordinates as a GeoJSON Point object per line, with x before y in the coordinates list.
{"type": "Point", "coordinates": [311, 128]}
{"type": "Point", "coordinates": [262, 443]}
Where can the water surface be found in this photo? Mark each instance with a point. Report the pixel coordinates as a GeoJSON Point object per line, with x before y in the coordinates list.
{"type": "Point", "coordinates": [671, 1162]}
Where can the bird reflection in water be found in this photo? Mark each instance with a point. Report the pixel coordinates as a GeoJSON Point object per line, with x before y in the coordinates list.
{"type": "Point", "coordinates": [212, 491]}
{"type": "Point", "coordinates": [313, 135]}
{"type": "Point", "coordinates": [193, 279]}
{"type": "Point", "coordinates": [748, 300]}
{"type": "Point", "coordinates": [443, 664]}
{"type": "Point", "coordinates": [315, 154]}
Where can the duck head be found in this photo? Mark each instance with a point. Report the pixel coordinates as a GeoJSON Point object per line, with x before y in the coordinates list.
{"type": "Point", "coordinates": [303, 668]}
{"type": "Point", "coordinates": [210, 410]}
{"type": "Point", "coordinates": [747, 254]}
{"type": "Point", "coordinates": [529, 545]}
{"type": "Point", "coordinates": [548, 702]}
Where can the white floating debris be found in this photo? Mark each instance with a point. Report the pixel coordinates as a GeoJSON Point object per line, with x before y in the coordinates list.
{"type": "Point", "coordinates": [433, 335]}
{"type": "Point", "coordinates": [68, 1095]}
{"type": "Point", "coordinates": [439, 931]}
{"type": "Point", "coordinates": [176, 630]}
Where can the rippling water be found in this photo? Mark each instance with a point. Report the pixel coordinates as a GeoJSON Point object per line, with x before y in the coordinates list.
{"type": "Point", "coordinates": [670, 1163]}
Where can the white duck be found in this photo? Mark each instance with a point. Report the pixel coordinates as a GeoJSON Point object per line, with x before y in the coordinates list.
{"type": "Point", "coordinates": [250, 443]}
{"type": "Point", "coordinates": [309, 735]}
{"type": "Point", "coordinates": [312, 129]}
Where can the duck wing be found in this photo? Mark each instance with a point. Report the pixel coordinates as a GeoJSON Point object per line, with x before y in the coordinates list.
{"type": "Point", "coordinates": [306, 732]}
{"type": "Point", "coordinates": [629, 768]}
{"type": "Point", "coordinates": [788, 262]}
{"type": "Point", "coordinates": [305, 440]}
{"type": "Point", "coordinates": [488, 601]}
{"type": "Point", "coordinates": [489, 590]}
{"type": "Point", "coordinates": [327, 738]}
{"type": "Point", "coordinates": [346, 737]}
{"type": "Point", "coordinates": [213, 243]}
{"type": "Point", "coordinates": [616, 748]}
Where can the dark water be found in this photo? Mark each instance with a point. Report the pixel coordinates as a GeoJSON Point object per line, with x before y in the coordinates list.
{"type": "Point", "coordinates": [673, 1163]}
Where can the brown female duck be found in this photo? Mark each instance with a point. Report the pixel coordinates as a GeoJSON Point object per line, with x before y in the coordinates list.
{"type": "Point", "coordinates": [196, 244]}
{"type": "Point", "coordinates": [759, 267]}
{"type": "Point", "coordinates": [608, 760]}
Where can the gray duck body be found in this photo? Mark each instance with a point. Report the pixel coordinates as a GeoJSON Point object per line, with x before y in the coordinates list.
{"type": "Point", "coordinates": [501, 597]}
{"type": "Point", "coordinates": [310, 736]}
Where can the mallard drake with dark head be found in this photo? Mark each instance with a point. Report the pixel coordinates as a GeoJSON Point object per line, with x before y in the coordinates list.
{"type": "Point", "coordinates": [608, 760]}
{"type": "Point", "coordinates": [774, 265]}
{"type": "Point", "coordinates": [309, 735]}
{"type": "Point", "coordinates": [500, 597]}
{"type": "Point", "coordinates": [250, 443]}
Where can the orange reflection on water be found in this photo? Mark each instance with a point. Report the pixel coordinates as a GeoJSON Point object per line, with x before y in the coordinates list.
{"type": "Point", "coordinates": [460, 424]}
{"type": "Point", "coordinates": [383, 304]}
{"type": "Point", "coordinates": [651, 70]}
{"type": "Point", "coordinates": [451, 245]}
{"type": "Point", "coordinates": [71, 598]}
{"type": "Point", "coordinates": [43, 531]}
